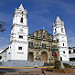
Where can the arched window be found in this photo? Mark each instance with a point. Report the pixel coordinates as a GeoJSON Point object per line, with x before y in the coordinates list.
{"type": "Point", "coordinates": [64, 52]}
{"type": "Point", "coordinates": [30, 44]}
{"type": "Point", "coordinates": [63, 44]}
{"type": "Point", "coordinates": [69, 52]}
{"type": "Point", "coordinates": [43, 45]}
{"type": "Point", "coordinates": [61, 29]}
{"type": "Point", "coordinates": [55, 30]}
{"type": "Point", "coordinates": [21, 19]}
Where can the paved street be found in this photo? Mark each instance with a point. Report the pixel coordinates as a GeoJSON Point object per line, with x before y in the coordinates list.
{"type": "Point", "coordinates": [29, 72]}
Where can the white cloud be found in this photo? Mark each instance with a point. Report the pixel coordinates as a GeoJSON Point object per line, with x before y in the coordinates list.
{"type": "Point", "coordinates": [71, 38]}
{"type": "Point", "coordinates": [71, 42]}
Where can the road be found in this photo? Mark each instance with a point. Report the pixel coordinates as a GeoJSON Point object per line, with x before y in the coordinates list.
{"type": "Point", "coordinates": [34, 71]}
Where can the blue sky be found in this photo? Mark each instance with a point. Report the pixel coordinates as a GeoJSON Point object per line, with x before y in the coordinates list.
{"type": "Point", "coordinates": [41, 13]}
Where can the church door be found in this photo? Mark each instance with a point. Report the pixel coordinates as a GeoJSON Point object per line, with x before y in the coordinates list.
{"type": "Point", "coordinates": [30, 57]}
{"type": "Point", "coordinates": [44, 56]}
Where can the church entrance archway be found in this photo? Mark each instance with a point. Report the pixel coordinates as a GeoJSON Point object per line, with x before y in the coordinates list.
{"type": "Point", "coordinates": [44, 56]}
{"type": "Point", "coordinates": [30, 57]}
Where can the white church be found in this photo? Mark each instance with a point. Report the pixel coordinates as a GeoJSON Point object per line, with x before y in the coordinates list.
{"type": "Point", "coordinates": [18, 46]}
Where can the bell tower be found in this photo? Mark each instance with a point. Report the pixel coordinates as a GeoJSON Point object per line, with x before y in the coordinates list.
{"type": "Point", "coordinates": [18, 47]}
{"type": "Point", "coordinates": [60, 35]}
{"type": "Point", "coordinates": [20, 16]}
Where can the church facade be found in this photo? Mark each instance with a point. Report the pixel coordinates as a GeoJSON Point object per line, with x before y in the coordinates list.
{"type": "Point", "coordinates": [41, 47]}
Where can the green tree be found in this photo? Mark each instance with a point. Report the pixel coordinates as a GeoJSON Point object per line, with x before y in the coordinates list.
{"type": "Point", "coordinates": [2, 26]}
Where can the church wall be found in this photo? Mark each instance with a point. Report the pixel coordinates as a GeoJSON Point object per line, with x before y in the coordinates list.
{"type": "Point", "coordinates": [17, 29]}
{"type": "Point", "coordinates": [63, 53]}
{"type": "Point", "coordinates": [17, 54]}
{"type": "Point", "coordinates": [3, 53]}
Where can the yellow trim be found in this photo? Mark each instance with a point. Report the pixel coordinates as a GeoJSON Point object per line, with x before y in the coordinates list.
{"type": "Point", "coordinates": [25, 67]}
{"type": "Point", "coordinates": [73, 65]}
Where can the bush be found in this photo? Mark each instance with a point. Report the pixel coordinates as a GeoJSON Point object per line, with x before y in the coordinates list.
{"type": "Point", "coordinates": [48, 64]}
{"type": "Point", "coordinates": [67, 65]}
{"type": "Point", "coordinates": [57, 65]}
